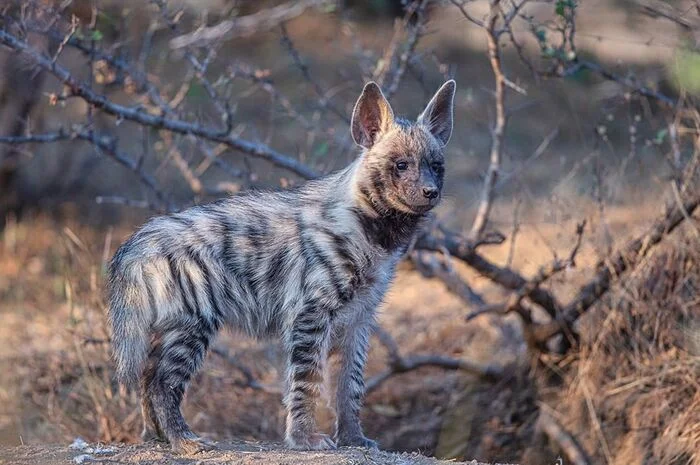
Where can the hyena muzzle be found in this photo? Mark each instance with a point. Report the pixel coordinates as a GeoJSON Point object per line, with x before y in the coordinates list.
{"type": "Point", "coordinates": [309, 265]}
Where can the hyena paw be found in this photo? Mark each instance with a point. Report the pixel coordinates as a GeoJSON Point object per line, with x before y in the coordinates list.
{"type": "Point", "coordinates": [357, 441]}
{"type": "Point", "coordinates": [310, 441]}
{"type": "Point", "coordinates": [191, 446]}
{"type": "Point", "coordinates": [149, 434]}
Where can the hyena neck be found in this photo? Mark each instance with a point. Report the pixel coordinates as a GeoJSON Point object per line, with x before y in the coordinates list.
{"type": "Point", "coordinates": [382, 225]}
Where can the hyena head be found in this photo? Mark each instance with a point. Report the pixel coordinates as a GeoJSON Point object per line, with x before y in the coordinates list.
{"type": "Point", "coordinates": [402, 167]}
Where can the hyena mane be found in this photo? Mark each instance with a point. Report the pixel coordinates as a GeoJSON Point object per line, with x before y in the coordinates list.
{"type": "Point", "coordinates": [308, 265]}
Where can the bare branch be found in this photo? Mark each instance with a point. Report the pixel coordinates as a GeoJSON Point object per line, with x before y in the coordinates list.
{"type": "Point", "coordinates": [439, 239]}
{"type": "Point", "coordinates": [299, 63]}
{"type": "Point", "coordinates": [245, 25]}
{"type": "Point", "coordinates": [623, 81]}
{"type": "Point", "coordinates": [104, 143]}
{"type": "Point", "coordinates": [417, 8]}
{"type": "Point", "coordinates": [137, 115]}
{"type": "Point", "coordinates": [461, 5]}
{"type": "Point", "coordinates": [545, 273]}
{"type": "Point", "coordinates": [400, 364]}
{"type": "Point", "coordinates": [619, 262]}
{"type": "Point", "coordinates": [498, 131]}
{"type": "Point", "coordinates": [430, 265]}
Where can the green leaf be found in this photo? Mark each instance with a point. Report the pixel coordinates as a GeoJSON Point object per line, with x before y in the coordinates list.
{"type": "Point", "coordinates": [97, 35]}
{"type": "Point", "coordinates": [322, 149]}
{"type": "Point", "coordinates": [559, 8]}
{"type": "Point", "coordinates": [541, 34]}
{"type": "Point", "coordinates": [660, 136]}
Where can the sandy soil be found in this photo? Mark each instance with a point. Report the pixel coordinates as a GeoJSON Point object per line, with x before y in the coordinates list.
{"type": "Point", "coordinates": [228, 453]}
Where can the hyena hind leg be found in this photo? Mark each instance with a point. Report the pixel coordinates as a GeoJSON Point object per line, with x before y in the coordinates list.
{"type": "Point", "coordinates": [151, 430]}
{"type": "Point", "coordinates": [177, 361]}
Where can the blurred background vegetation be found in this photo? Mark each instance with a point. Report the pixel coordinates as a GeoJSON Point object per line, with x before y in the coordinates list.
{"type": "Point", "coordinates": [597, 130]}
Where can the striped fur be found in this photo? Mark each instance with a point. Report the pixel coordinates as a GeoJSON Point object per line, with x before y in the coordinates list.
{"type": "Point", "coordinates": [308, 265]}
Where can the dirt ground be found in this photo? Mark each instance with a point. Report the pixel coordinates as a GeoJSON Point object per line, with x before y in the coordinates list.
{"type": "Point", "coordinates": [240, 453]}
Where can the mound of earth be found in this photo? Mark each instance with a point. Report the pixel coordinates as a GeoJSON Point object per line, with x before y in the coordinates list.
{"type": "Point", "coordinates": [240, 453]}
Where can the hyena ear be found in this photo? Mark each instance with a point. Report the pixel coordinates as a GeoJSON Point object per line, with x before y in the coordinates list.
{"type": "Point", "coordinates": [371, 117]}
{"type": "Point", "coordinates": [437, 116]}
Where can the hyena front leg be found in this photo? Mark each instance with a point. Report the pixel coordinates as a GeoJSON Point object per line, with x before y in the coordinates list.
{"type": "Point", "coordinates": [351, 387]}
{"type": "Point", "coordinates": [307, 342]}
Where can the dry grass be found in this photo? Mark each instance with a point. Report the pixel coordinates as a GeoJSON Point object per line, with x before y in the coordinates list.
{"type": "Point", "coordinates": [633, 395]}
{"type": "Point", "coordinates": [632, 386]}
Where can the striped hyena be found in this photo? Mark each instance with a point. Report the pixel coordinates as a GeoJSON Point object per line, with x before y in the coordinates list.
{"type": "Point", "coordinates": [309, 265]}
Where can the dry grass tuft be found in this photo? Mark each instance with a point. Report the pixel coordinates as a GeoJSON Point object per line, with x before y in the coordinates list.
{"type": "Point", "coordinates": [633, 394]}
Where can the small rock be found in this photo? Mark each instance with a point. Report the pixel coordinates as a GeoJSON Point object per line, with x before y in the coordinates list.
{"type": "Point", "coordinates": [78, 444]}
{"type": "Point", "coordinates": [97, 450]}
{"type": "Point", "coordinates": [82, 458]}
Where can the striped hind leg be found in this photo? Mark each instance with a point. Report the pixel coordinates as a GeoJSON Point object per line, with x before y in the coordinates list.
{"type": "Point", "coordinates": [151, 430]}
{"type": "Point", "coordinates": [175, 358]}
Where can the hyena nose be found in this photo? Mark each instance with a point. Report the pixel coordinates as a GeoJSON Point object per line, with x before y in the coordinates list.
{"type": "Point", "coordinates": [430, 192]}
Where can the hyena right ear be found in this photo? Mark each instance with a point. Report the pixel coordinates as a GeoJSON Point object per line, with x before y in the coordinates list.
{"type": "Point", "coordinates": [371, 117]}
{"type": "Point", "coordinates": [438, 115]}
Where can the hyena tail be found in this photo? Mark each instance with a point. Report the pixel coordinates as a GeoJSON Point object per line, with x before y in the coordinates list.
{"type": "Point", "coordinates": [131, 320]}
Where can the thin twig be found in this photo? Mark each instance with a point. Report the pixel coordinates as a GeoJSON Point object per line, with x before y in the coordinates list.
{"type": "Point", "coordinates": [498, 131]}
{"type": "Point", "coordinates": [106, 144]}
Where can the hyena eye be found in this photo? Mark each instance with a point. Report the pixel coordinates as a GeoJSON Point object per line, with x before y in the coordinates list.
{"type": "Point", "coordinates": [437, 167]}
{"type": "Point", "coordinates": [401, 166]}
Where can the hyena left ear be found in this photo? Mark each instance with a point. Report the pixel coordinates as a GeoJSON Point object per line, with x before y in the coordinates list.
{"type": "Point", "coordinates": [371, 117]}
{"type": "Point", "coordinates": [437, 116]}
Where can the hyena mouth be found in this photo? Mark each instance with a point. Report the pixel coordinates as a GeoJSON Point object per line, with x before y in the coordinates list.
{"type": "Point", "coordinates": [420, 209]}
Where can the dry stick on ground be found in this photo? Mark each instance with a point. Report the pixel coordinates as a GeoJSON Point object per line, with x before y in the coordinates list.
{"type": "Point", "coordinates": [558, 435]}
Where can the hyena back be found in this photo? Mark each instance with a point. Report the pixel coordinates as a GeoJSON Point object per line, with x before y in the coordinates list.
{"type": "Point", "coordinates": [309, 265]}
